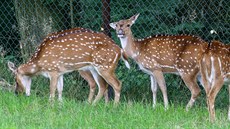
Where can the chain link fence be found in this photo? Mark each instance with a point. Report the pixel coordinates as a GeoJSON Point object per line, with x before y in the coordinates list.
{"type": "Point", "coordinates": [24, 23]}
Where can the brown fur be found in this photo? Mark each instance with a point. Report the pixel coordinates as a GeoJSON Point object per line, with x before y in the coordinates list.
{"type": "Point", "coordinates": [163, 53]}
{"type": "Point", "coordinates": [215, 70]}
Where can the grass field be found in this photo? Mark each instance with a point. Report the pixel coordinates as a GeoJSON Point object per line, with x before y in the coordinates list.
{"type": "Point", "coordinates": [36, 112]}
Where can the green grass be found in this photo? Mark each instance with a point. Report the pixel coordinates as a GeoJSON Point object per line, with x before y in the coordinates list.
{"type": "Point", "coordinates": [37, 112]}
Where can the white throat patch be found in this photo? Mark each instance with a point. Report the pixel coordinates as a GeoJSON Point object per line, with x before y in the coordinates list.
{"type": "Point", "coordinates": [26, 82]}
{"type": "Point", "coordinates": [124, 42]}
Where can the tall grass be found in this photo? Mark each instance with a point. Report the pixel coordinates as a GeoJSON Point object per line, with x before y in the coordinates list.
{"type": "Point", "coordinates": [37, 112]}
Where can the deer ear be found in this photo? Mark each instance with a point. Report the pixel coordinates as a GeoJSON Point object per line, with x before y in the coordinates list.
{"type": "Point", "coordinates": [11, 66]}
{"type": "Point", "coordinates": [134, 18]}
{"type": "Point", "coordinates": [113, 25]}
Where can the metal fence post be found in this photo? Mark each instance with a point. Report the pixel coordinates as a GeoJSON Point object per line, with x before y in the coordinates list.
{"type": "Point", "coordinates": [106, 30]}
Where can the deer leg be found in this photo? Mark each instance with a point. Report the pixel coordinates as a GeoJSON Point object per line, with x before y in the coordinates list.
{"type": "Point", "coordinates": [106, 94]}
{"type": "Point", "coordinates": [211, 96]}
{"type": "Point", "coordinates": [113, 81]}
{"type": "Point", "coordinates": [158, 75]}
{"type": "Point", "coordinates": [154, 89]}
{"type": "Point", "coordinates": [90, 79]}
{"type": "Point", "coordinates": [92, 84]}
{"type": "Point", "coordinates": [211, 108]}
{"type": "Point", "coordinates": [191, 83]}
{"type": "Point", "coordinates": [101, 85]}
{"type": "Point", "coordinates": [60, 88]}
{"type": "Point", "coordinates": [207, 91]}
{"type": "Point", "coordinates": [53, 85]}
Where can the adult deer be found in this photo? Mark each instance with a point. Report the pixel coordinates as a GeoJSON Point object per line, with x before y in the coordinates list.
{"type": "Point", "coordinates": [86, 74]}
{"type": "Point", "coordinates": [75, 49]}
{"type": "Point", "coordinates": [215, 70]}
{"type": "Point", "coordinates": [157, 54]}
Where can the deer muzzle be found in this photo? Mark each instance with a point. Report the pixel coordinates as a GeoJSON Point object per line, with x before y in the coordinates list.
{"type": "Point", "coordinates": [120, 33]}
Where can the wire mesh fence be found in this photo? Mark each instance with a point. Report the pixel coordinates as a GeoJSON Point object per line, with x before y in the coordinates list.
{"type": "Point", "coordinates": [24, 23]}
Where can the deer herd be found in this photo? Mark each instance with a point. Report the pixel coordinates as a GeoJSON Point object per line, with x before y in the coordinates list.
{"type": "Point", "coordinates": [96, 57]}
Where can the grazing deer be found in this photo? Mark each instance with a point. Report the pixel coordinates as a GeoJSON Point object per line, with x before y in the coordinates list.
{"type": "Point", "coordinates": [74, 49]}
{"type": "Point", "coordinates": [86, 74]}
{"type": "Point", "coordinates": [215, 70]}
{"type": "Point", "coordinates": [156, 55]}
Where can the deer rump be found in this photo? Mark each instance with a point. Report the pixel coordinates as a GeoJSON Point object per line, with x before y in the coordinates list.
{"type": "Point", "coordinates": [214, 68]}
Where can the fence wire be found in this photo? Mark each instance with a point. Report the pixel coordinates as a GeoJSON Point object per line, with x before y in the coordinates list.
{"type": "Point", "coordinates": [24, 23]}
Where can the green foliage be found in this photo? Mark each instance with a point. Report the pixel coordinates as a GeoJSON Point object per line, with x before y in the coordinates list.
{"type": "Point", "coordinates": [5, 73]}
{"type": "Point", "coordinates": [36, 112]}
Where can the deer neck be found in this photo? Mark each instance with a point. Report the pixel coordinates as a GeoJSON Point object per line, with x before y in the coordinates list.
{"type": "Point", "coordinates": [129, 46]}
{"type": "Point", "coordinates": [28, 69]}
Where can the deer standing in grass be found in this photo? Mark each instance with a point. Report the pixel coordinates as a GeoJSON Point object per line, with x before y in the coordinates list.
{"type": "Point", "coordinates": [156, 55]}
{"type": "Point", "coordinates": [86, 74]}
{"type": "Point", "coordinates": [215, 71]}
{"type": "Point", "coordinates": [74, 49]}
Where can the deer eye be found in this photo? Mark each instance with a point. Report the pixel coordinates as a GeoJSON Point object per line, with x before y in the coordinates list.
{"type": "Point", "coordinates": [128, 25]}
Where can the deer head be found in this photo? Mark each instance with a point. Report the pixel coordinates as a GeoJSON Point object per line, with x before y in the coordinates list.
{"type": "Point", "coordinates": [22, 82]}
{"type": "Point", "coordinates": [123, 26]}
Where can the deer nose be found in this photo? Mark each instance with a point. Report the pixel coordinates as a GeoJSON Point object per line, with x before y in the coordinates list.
{"type": "Point", "coordinates": [120, 32]}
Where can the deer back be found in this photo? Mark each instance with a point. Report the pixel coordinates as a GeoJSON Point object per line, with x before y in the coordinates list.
{"type": "Point", "coordinates": [180, 52]}
{"type": "Point", "coordinates": [71, 50]}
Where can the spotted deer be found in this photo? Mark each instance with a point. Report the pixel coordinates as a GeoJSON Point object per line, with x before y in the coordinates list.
{"type": "Point", "coordinates": [74, 49]}
{"type": "Point", "coordinates": [160, 54]}
{"type": "Point", "coordinates": [215, 71]}
{"type": "Point", "coordinates": [86, 74]}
